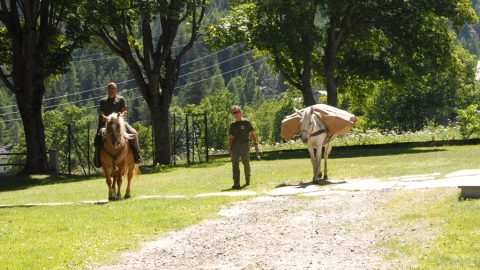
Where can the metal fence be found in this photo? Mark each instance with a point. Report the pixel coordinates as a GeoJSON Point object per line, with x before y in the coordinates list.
{"type": "Point", "coordinates": [74, 152]}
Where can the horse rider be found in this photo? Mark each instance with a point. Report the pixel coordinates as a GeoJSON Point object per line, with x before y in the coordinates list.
{"type": "Point", "coordinates": [114, 103]}
{"type": "Point", "coordinates": [238, 145]}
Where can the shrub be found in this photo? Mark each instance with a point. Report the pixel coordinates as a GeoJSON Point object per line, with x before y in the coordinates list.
{"type": "Point", "coordinates": [469, 121]}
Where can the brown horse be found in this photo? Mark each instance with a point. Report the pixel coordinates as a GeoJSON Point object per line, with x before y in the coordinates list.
{"type": "Point", "coordinates": [116, 155]}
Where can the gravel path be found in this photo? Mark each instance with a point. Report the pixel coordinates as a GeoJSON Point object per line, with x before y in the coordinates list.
{"type": "Point", "coordinates": [286, 232]}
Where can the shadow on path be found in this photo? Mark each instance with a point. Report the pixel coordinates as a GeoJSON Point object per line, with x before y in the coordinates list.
{"type": "Point", "coordinates": [307, 184]}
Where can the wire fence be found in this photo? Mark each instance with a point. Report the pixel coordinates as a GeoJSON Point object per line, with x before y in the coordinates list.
{"type": "Point", "coordinates": [72, 153]}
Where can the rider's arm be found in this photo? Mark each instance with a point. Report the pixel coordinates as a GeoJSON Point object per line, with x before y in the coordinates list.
{"type": "Point", "coordinates": [123, 107]}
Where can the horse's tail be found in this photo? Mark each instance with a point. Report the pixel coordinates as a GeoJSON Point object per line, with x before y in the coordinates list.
{"type": "Point", "coordinates": [136, 171]}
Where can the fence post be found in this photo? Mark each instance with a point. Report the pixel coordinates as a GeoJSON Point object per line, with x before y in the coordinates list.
{"type": "Point", "coordinates": [206, 135]}
{"type": "Point", "coordinates": [174, 145]}
{"type": "Point", "coordinates": [187, 138]}
{"type": "Point", "coordinates": [69, 143]}
{"type": "Point", "coordinates": [153, 145]}
{"type": "Point", "coordinates": [88, 148]}
{"type": "Point", "coordinates": [194, 138]}
{"type": "Point", "coordinates": [53, 164]}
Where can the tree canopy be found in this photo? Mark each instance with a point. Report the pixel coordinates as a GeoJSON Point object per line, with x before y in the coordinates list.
{"type": "Point", "coordinates": [335, 39]}
{"type": "Point", "coordinates": [37, 39]}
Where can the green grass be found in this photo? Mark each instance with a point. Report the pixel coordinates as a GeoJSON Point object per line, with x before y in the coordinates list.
{"type": "Point", "coordinates": [458, 246]}
{"type": "Point", "coordinates": [453, 225]}
{"type": "Point", "coordinates": [77, 236]}
{"type": "Point", "coordinates": [71, 236]}
{"type": "Point", "coordinates": [275, 169]}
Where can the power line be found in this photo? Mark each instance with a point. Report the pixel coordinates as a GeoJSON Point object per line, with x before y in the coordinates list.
{"type": "Point", "coordinates": [89, 55]}
{"type": "Point", "coordinates": [198, 59]}
{"type": "Point", "coordinates": [177, 87]}
{"type": "Point", "coordinates": [67, 95]}
{"type": "Point", "coordinates": [195, 71]}
{"type": "Point", "coordinates": [221, 74]}
{"type": "Point", "coordinates": [79, 60]}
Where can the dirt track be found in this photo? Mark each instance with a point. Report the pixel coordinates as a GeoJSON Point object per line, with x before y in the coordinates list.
{"type": "Point", "coordinates": [288, 232]}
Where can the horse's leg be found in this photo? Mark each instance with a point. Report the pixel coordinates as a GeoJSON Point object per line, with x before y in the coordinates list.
{"type": "Point", "coordinates": [129, 179]}
{"type": "Point", "coordinates": [318, 160]}
{"type": "Point", "coordinates": [111, 190]}
{"type": "Point", "coordinates": [328, 149]}
{"type": "Point", "coordinates": [313, 159]}
{"type": "Point", "coordinates": [119, 185]}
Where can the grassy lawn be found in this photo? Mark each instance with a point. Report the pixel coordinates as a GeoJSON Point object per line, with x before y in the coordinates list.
{"type": "Point", "coordinates": [72, 236]}
{"type": "Point", "coordinates": [445, 230]}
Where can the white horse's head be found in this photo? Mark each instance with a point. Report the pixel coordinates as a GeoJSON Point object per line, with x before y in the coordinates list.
{"type": "Point", "coordinates": [309, 123]}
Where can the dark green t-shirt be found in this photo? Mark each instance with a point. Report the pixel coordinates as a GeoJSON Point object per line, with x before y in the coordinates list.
{"type": "Point", "coordinates": [111, 105]}
{"type": "Point", "coordinates": [240, 131]}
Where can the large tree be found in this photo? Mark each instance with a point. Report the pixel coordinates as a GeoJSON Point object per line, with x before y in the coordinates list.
{"type": "Point", "coordinates": [37, 38]}
{"type": "Point", "coordinates": [285, 29]}
{"type": "Point", "coordinates": [126, 27]}
{"type": "Point", "coordinates": [336, 39]}
{"type": "Point", "coordinates": [378, 39]}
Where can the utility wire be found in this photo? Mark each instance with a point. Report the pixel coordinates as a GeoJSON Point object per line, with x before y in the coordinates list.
{"type": "Point", "coordinates": [130, 80]}
{"type": "Point", "coordinates": [136, 97]}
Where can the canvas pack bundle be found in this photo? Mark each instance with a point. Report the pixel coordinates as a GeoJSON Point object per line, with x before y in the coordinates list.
{"type": "Point", "coordinates": [337, 121]}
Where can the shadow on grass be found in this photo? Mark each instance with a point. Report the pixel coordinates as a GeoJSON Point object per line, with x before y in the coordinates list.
{"type": "Point", "coordinates": [307, 184]}
{"type": "Point", "coordinates": [234, 189]}
{"type": "Point", "coordinates": [12, 182]}
{"type": "Point", "coordinates": [149, 169]}
{"type": "Point", "coordinates": [346, 153]}
{"type": "Point", "coordinates": [15, 182]}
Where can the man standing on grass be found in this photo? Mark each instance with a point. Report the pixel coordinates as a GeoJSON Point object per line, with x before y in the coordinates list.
{"type": "Point", "coordinates": [238, 145]}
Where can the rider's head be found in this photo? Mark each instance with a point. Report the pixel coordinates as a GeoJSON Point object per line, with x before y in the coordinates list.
{"type": "Point", "coordinates": [112, 90]}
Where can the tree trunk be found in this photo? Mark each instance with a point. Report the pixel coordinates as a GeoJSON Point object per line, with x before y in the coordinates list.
{"type": "Point", "coordinates": [159, 111]}
{"type": "Point", "coordinates": [31, 113]}
{"type": "Point", "coordinates": [331, 66]}
{"type": "Point", "coordinates": [307, 93]}
{"type": "Point", "coordinates": [308, 99]}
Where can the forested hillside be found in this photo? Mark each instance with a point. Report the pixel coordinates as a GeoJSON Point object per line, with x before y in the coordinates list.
{"type": "Point", "coordinates": [213, 79]}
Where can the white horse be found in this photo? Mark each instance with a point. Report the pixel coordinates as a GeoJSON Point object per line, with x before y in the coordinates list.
{"type": "Point", "coordinates": [315, 135]}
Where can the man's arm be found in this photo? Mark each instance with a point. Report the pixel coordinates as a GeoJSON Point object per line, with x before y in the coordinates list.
{"type": "Point", "coordinates": [255, 141]}
{"type": "Point", "coordinates": [101, 115]}
{"type": "Point", "coordinates": [254, 138]}
{"type": "Point", "coordinates": [123, 107]}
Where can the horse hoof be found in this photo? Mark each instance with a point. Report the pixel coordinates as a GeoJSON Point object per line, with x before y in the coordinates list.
{"type": "Point", "coordinates": [111, 198]}
{"type": "Point", "coordinates": [127, 197]}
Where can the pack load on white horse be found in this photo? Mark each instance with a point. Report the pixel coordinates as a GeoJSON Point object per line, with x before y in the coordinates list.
{"type": "Point", "coordinates": [318, 126]}
{"type": "Point", "coordinates": [337, 121]}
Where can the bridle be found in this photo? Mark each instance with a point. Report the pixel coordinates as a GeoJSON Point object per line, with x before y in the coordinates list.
{"type": "Point", "coordinates": [114, 157]}
{"type": "Point", "coordinates": [316, 133]}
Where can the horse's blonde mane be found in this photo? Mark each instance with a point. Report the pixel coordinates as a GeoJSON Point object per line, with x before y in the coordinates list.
{"type": "Point", "coordinates": [118, 119]}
